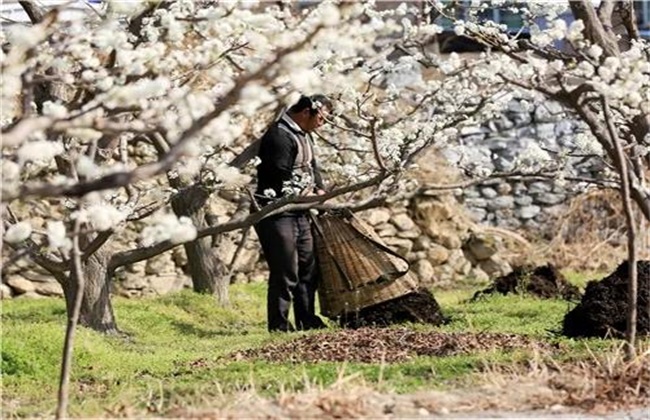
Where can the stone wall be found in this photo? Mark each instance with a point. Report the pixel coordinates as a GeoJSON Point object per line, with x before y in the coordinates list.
{"type": "Point", "coordinates": [444, 243]}
{"type": "Point", "coordinates": [431, 230]}
{"type": "Point", "coordinates": [500, 144]}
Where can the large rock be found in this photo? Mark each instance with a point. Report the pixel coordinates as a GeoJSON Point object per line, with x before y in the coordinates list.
{"type": "Point", "coordinates": [20, 284]}
{"type": "Point", "coordinates": [164, 284]}
{"type": "Point", "coordinates": [437, 255]}
{"type": "Point", "coordinates": [5, 291]}
{"type": "Point", "coordinates": [424, 271]}
{"type": "Point", "coordinates": [179, 256]}
{"type": "Point", "coordinates": [409, 234]}
{"type": "Point", "coordinates": [421, 243]}
{"type": "Point", "coordinates": [51, 288]}
{"type": "Point", "coordinates": [386, 230]}
{"type": "Point", "coordinates": [30, 295]}
{"type": "Point", "coordinates": [132, 282]}
{"type": "Point", "coordinates": [527, 212]}
{"type": "Point", "coordinates": [433, 212]}
{"type": "Point", "coordinates": [377, 216]}
{"type": "Point", "coordinates": [403, 222]}
{"type": "Point", "coordinates": [247, 259]}
{"type": "Point", "coordinates": [401, 246]}
{"type": "Point", "coordinates": [478, 275]}
{"type": "Point", "coordinates": [448, 238]}
{"type": "Point", "coordinates": [459, 263]}
{"type": "Point", "coordinates": [480, 247]}
{"type": "Point", "coordinates": [160, 264]}
{"type": "Point", "coordinates": [495, 267]}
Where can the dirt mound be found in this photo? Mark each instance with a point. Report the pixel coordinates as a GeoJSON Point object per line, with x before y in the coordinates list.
{"type": "Point", "coordinates": [545, 282]}
{"type": "Point", "coordinates": [377, 345]}
{"type": "Point", "coordinates": [419, 306]}
{"type": "Point", "coordinates": [602, 311]}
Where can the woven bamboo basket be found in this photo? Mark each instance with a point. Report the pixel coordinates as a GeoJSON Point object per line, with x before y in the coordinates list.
{"type": "Point", "coordinates": [357, 268]}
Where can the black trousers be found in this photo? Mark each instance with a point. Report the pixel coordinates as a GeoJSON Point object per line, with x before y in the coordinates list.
{"type": "Point", "coordinates": [288, 247]}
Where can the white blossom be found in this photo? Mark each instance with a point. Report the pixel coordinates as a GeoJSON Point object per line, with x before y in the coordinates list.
{"type": "Point", "coordinates": [459, 28]}
{"type": "Point", "coordinates": [595, 51]}
{"type": "Point", "coordinates": [40, 150]}
{"type": "Point", "coordinates": [18, 232]}
{"type": "Point", "coordinates": [104, 216]}
{"type": "Point", "coordinates": [54, 110]}
{"type": "Point", "coordinates": [86, 167]}
{"type": "Point", "coordinates": [57, 237]}
{"type": "Point", "coordinates": [576, 29]}
{"type": "Point", "coordinates": [330, 14]}
{"type": "Point", "coordinates": [167, 227]}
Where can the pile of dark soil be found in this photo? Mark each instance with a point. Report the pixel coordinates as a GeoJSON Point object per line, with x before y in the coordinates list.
{"type": "Point", "coordinates": [418, 307]}
{"type": "Point", "coordinates": [544, 282]}
{"type": "Point", "coordinates": [603, 309]}
{"type": "Point", "coordinates": [377, 345]}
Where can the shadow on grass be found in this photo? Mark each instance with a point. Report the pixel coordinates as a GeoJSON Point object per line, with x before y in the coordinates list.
{"type": "Point", "coordinates": [189, 329]}
{"type": "Point", "coordinates": [42, 315]}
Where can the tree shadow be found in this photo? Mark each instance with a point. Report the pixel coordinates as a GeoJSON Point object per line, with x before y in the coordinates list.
{"type": "Point", "coordinates": [190, 329]}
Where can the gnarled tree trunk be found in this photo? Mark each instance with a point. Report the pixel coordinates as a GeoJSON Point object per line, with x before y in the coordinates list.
{"type": "Point", "coordinates": [205, 267]}
{"type": "Point", "coordinates": [96, 309]}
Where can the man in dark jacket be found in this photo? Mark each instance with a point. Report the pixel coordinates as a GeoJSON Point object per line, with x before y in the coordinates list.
{"type": "Point", "coordinates": [288, 167]}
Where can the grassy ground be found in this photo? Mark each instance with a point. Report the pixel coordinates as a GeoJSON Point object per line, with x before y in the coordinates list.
{"type": "Point", "coordinates": [175, 352]}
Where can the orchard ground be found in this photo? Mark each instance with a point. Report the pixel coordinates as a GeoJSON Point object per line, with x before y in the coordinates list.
{"type": "Point", "coordinates": [183, 356]}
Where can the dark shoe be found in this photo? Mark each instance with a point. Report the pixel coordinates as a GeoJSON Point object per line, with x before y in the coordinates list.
{"type": "Point", "coordinates": [282, 328]}
{"type": "Point", "coordinates": [314, 323]}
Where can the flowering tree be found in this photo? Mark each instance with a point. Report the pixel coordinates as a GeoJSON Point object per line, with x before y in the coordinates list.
{"type": "Point", "coordinates": [130, 115]}
{"type": "Point", "coordinates": [598, 68]}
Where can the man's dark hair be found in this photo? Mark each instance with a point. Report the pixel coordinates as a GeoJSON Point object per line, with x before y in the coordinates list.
{"type": "Point", "coordinates": [309, 102]}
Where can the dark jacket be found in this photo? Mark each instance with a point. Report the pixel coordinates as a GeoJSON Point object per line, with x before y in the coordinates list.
{"type": "Point", "coordinates": [278, 151]}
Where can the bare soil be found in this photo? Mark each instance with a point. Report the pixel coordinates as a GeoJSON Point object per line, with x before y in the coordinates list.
{"type": "Point", "coordinates": [603, 309]}
{"type": "Point", "coordinates": [379, 345]}
{"type": "Point", "coordinates": [544, 282]}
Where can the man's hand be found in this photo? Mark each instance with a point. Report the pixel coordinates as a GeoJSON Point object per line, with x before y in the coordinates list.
{"type": "Point", "coordinates": [320, 192]}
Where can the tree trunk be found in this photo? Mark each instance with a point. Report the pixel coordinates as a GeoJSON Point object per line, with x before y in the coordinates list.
{"type": "Point", "coordinates": [96, 309]}
{"type": "Point", "coordinates": [205, 267]}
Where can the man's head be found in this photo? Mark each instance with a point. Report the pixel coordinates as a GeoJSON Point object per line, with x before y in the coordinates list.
{"type": "Point", "coordinates": [310, 112]}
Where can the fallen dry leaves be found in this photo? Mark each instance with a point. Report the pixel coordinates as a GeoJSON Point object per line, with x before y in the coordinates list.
{"type": "Point", "coordinates": [377, 345]}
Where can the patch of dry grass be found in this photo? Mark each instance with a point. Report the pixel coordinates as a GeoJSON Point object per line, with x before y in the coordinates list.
{"type": "Point", "coordinates": [591, 235]}
{"type": "Point", "coordinates": [604, 383]}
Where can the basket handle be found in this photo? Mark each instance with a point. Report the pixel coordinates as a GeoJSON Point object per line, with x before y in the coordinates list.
{"type": "Point", "coordinates": [341, 271]}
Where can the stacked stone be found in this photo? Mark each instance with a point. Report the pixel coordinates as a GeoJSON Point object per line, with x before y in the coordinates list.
{"type": "Point", "coordinates": [431, 231]}
{"type": "Point", "coordinates": [497, 145]}
{"type": "Point", "coordinates": [438, 240]}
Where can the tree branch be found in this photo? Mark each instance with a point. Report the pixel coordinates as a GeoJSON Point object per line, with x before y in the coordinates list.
{"type": "Point", "coordinates": [594, 30]}
{"type": "Point", "coordinates": [279, 206]}
{"type": "Point", "coordinates": [630, 328]}
{"type": "Point", "coordinates": [146, 171]}
{"type": "Point", "coordinates": [68, 346]}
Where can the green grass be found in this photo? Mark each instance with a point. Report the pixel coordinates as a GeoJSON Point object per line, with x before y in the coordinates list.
{"type": "Point", "coordinates": [175, 349]}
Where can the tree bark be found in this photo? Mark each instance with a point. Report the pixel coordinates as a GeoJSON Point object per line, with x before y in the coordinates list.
{"type": "Point", "coordinates": [595, 30]}
{"type": "Point", "coordinates": [205, 267]}
{"type": "Point", "coordinates": [632, 285]}
{"type": "Point", "coordinates": [96, 310]}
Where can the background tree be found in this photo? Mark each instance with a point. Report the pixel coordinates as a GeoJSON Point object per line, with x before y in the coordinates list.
{"type": "Point", "coordinates": [598, 68]}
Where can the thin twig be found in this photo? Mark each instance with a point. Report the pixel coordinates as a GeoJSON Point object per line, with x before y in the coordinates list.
{"type": "Point", "coordinates": [630, 330]}
{"type": "Point", "coordinates": [77, 273]}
